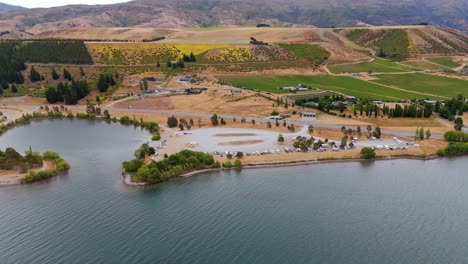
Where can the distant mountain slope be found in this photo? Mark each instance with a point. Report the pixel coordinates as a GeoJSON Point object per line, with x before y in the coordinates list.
{"type": "Point", "coordinates": [6, 7]}
{"type": "Point", "coordinates": [208, 13]}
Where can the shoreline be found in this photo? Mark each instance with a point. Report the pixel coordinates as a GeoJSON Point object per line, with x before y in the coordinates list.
{"type": "Point", "coordinates": [18, 176]}
{"type": "Point", "coordinates": [128, 182]}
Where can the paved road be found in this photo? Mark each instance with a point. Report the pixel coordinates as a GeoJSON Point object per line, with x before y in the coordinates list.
{"type": "Point", "coordinates": [261, 120]}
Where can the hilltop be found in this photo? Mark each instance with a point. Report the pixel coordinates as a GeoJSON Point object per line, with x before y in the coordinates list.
{"type": "Point", "coordinates": [216, 13]}
{"type": "Point", "coordinates": [6, 7]}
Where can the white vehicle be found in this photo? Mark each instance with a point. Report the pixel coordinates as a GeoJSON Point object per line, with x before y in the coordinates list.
{"type": "Point", "coordinates": [276, 118]}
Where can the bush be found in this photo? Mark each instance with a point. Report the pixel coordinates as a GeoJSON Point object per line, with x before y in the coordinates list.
{"type": "Point", "coordinates": [132, 165]}
{"type": "Point", "coordinates": [227, 164]}
{"type": "Point", "coordinates": [50, 155]}
{"type": "Point", "coordinates": [175, 165]}
{"type": "Point", "coordinates": [238, 164]}
{"type": "Point", "coordinates": [367, 153]}
{"type": "Point", "coordinates": [229, 156]}
{"type": "Point", "coordinates": [456, 148]}
{"type": "Point", "coordinates": [156, 137]}
{"type": "Point", "coordinates": [456, 136]}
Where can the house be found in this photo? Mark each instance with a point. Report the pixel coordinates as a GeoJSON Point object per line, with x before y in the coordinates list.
{"type": "Point", "coordinates": [236, 91]}
{"type": "Point", "coordinates": [311, 104]}
{"type": "Point", "coordinates": [185, 79]}
{"type": "Point", "coordinates": [430, 102]}
{"type": "Point", "coordinates": [295, 88]}
{"type": "Point", "coordinates": [151, 91]}
{"type": "Point", "coordinates": [377, 102]}
{"type": "Point", "coordinates": [309, 114]}
{"type": "Point", "coordinates": [193, 91]}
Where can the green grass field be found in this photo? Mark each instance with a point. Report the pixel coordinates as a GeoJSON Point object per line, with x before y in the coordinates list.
{"type": "Point", "coordinates": [445, 61]}
{"type": "Point", "coordinates": [377, 65]}
{"type": "Point", "coordinates": [422, 64]}
{"type": "Point", "coordinates": [425, 83]}
{"type": "Point", "coordinates": [341, 84]}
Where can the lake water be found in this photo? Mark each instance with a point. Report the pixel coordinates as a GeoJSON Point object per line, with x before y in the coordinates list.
{"type": "Point", "coordinates": [401, 211]}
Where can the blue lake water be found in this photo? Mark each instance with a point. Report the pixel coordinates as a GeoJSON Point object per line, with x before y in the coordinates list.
{"type": "Point", "coordinates": [400, 211]}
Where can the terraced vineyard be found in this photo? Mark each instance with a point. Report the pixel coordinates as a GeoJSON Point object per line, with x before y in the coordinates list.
{"type": "Point", "coordinates": [438, 41]}
{"type": "Point", "coordinates": [145, 53]}
{"type": "Point", "coordinates": [151, 53]}
{"type": "Point", "coordinates": [342, 84]}
{"type": "Point", "coordinates": [391, 43]}
{"type": "Point", "coordinates": [400, 44]}
{"type": "Point", "coordinates": [425, 83]}
{"type": "Point", "coordinates": [376, 65]}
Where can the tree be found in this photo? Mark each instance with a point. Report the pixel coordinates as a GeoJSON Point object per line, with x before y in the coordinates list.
{"type": "Point", "coordinates": [54, 74]}
{"type": "Point", "coordinates": [458, 124]}
{"type": "Point", "coordinates": [214, 119]}
{"type": "Point", "coordinates": [14, 89]}
{"type": "Point", "coordinates": [107, 115]}
{"type": "Point", "coordinates": [82, 73]}
{"type": "Point", "coordinates": [421, 134]}
{"type": "Point", "coordinates": [181, 127]}
{"type": "Point", "coordinates": [145, 84]}
{"type": "Point", "coordinates": [253, 122]}
{"type": "Point", "coordinates": [229, 156]}
{"type": "Point", "coordinates": [367, 153]}
{"type": "Point", "coordinates": [428, 134]}
{"type": "Point", "coordinates": [102, 84]}
{"type": "Point", "coordinates": [240, 154]}
{"type": "Point", "coordinates": [311, 129]}
{"type": "Point", "coordinates": [172, 121]}
{"type": "Point", "coordinates": [192, 57]}
{"type": "Point", "coordinates": [67, 75]}
{"type": "Point", "coordinates": [377, 133]}
{"type": "Point", "coordinates": [280, 139]}
{"type": "Point", "coordinates": [51, 95]}
{"type": "Point", "coordinates": [34, 76]}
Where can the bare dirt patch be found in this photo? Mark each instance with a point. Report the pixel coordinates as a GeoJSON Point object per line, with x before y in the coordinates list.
{"type": "Point", "coordinates": [236, 135]}
{"type": "Point", "coordinates": [240, 142]}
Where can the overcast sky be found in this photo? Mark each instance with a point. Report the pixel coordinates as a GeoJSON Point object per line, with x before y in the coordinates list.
{"type": "Point", "coordinates": [49, 3]}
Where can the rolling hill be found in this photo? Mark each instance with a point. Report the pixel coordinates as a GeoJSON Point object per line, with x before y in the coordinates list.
{"type": "Point", "coordinates": [6, 7]}
{"type": "Point", "coordinates": [215, 13]}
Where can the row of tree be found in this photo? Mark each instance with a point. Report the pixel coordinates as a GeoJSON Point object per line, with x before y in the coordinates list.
{"type": "Point", "coordinates": [70, 94]}
{"type": "Point", "coordinates": [14, 54]}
